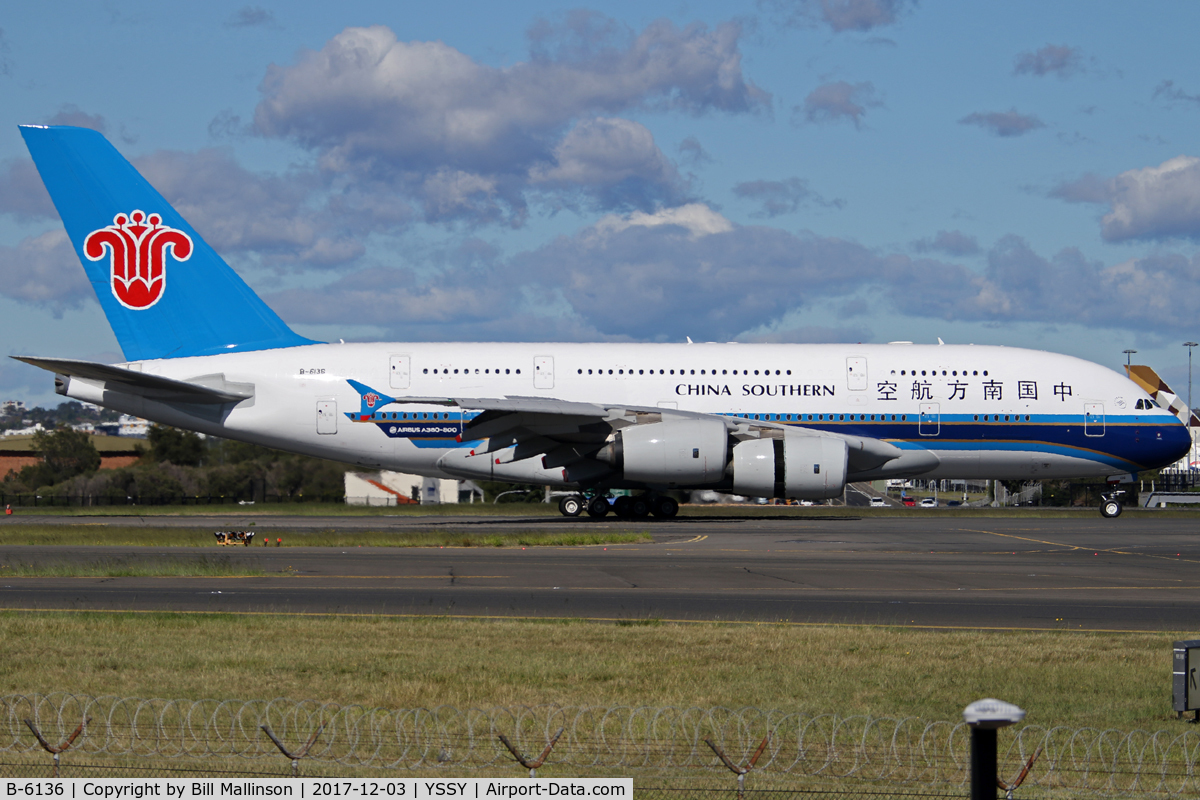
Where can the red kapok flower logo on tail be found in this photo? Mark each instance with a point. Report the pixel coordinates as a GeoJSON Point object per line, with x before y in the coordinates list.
{"type": "Point", "coordinates": [137, 247]}
{"type": "Point", "coordinates": [370, 399]}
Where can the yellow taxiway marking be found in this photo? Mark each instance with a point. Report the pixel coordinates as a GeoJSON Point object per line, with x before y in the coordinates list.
{"type": "Point", "coordinates": [1112, 550]}
{"type": "Point", "coordinates": [468, 617]}
{"type": "Point", "coordinates": [1026, 539]}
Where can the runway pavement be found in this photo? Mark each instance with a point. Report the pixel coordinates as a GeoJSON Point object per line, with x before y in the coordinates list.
{"type": "Point", "coordinates": [1138, 572]}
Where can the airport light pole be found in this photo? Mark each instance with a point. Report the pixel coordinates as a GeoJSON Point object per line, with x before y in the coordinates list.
{"type": "Point", "coordinates": [1129, 356]}
{"type": "Point", "coordinates": [1192, 448]}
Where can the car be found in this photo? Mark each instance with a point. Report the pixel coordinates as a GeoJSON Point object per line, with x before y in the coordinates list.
{"type": "Point", "coordinates": [953, 503]}
{"type": "Point", "coordinates": [929, 502]}
{"type": "Point", "coordinates": [908, 501]}
{"type": "Point", "coordinates": [878, 502]}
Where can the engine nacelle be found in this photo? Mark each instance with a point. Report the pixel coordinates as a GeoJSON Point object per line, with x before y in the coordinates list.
{"type": "Point", "coordinates": [796, 466]}
{"type": "Point", "coordinates": [675, 452]}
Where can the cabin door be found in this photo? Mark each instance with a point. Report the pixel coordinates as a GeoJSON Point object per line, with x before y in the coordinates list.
{"type": "Point", "coordinates": [326, 416]}
{"type": "Point", "coordinates": [543, 372]}
{"type": "Point", "coordinates": [1093, 419]}
{"type": "Point", "coordinates": [399, 372]}
{"type": "Point", "coordinates": [930, 421]}
{"type": "Point", "coordinates": [856, 374]}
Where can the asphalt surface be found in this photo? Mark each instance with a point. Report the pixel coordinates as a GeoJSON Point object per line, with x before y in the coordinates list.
{"type": "Point", "coordinates": [1138, 572]}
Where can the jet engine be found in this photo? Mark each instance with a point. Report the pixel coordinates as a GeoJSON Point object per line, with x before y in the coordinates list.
{"type": "Point", "coordinates": [796, 466]}
{"type": "Point", "coordinates": [675, 452]}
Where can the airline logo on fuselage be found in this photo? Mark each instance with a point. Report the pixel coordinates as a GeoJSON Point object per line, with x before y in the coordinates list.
{"type": "Point", "coordinates": [137, 247]}
{"type": "Point", "coordinates": [755, 390]}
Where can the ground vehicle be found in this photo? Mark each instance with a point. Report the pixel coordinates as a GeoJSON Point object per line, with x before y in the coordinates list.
{"type": "Point", "coordinates": [929, 502]}
{"type": "Point", "coordinates": [908, 501]}
{"type": "Point", "coordinates": [878, 502]}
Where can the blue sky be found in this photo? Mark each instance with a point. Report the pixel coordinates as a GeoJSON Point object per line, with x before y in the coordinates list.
{"type": "Point", "coordinates": [829, 170]}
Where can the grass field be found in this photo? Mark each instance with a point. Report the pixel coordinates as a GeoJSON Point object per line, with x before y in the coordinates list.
{"type": "Point", "coordinates": [126, 568]}
{"type": "Point", "coordinates": [1059, 678]}
{"type": "Point", "coordinates": [122, 535]}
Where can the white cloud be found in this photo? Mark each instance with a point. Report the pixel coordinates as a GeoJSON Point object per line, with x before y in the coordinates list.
{"type": "Point", "coordinates": [1004, 123]}
{"type": "Point", "coordinates": [1052, 59]}
{"type": "Point", "coordinates": [696, 218]}
{"type": "Point", "coordinates": [952, 243]}
{"type": "Point", "coordinates": [688, 271]}
{"type": "Point", "coordinates": [1151, 203]}
{"type": "Point", "coordinates": [843, 15]}
{"type": "Point", "coordinates": [1155, 202]}
{"type": "Point", "coordinates": [832, 102]}
{"type": "Point", "coordinates": [781, 197]}
{"type": "Point", "coordinates": [239, 212]}
{"type": "Point", "coordinates": [609, 158]}
{"type": "Point", "coordinates": [368, 104]}
{"type": "Point", "coordinates": [44, 271]}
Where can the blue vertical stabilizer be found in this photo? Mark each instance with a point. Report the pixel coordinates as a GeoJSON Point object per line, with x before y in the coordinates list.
{"type": "Point", "coordinates": [166, 293]}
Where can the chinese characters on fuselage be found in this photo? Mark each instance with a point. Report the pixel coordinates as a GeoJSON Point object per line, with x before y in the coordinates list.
{"type": "Point", "coordinates": [958, 390]}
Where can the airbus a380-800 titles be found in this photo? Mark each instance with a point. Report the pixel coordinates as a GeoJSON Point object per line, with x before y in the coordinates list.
{"type": "Point", "coordinates": [206, 354]}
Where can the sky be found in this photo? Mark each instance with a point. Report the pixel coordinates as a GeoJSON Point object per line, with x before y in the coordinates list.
{"type": "Point", "coordinates": [1015, 173]}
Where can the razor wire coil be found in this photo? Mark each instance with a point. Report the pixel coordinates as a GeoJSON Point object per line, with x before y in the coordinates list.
{"type": "Point", "coordinates": [645, 739]}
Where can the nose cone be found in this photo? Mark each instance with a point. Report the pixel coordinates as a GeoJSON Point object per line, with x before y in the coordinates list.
{"type": "Point", "coordinates": [1176, 442]}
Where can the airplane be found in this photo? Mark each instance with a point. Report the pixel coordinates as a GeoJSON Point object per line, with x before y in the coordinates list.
{"type": "Point", "coordinates": [204, 353]}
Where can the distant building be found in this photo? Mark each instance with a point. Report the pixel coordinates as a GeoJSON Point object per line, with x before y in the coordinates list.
{"type": "Point", "coordinates": [13, 407]}
{"type": "Point", "coordinates": [132, 426]}
{"type": "Point", "coordinates": [386, 488]}
{"type": "Point", "coordinates": [25, 431]}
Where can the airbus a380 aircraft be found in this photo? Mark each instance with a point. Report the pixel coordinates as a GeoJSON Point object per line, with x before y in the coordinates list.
{"type": "Point", "coordinates": [768, 420]}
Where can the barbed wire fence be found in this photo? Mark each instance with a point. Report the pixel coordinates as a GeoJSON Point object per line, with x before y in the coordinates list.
{"type": "Point", "coordinates": [656, 744]}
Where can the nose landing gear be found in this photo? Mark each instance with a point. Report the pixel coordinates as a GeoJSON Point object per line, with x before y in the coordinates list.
{"type": "Point", "coordinates": [1110, 504]}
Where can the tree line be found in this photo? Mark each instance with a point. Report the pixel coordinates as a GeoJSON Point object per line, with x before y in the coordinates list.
{"type": "Point", "coordinates": [173, 463]}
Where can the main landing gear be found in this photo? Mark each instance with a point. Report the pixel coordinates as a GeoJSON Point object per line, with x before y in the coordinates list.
{"type": "Point", "coordinates": [1110, 504]}
{"type": "Point", "coordinates": [635, 507]}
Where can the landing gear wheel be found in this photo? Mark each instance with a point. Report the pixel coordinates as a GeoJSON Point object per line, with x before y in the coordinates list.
{"type": "Point", "coordinates": [639, 507]}
{"type": "Point", "coordinates": [1110, 509]}
{"type": "Point", "coordinates": [571, 506]}
{"type": "Point", "coordinates": [598, 507]}
{"type": "Point", "coordinates": [623, 505]}
{"type": "Point", "coordinates": [664, 507]}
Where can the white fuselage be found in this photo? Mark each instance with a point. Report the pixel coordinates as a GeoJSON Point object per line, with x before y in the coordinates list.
{"type": "Point", "coordinates": [987, 412]}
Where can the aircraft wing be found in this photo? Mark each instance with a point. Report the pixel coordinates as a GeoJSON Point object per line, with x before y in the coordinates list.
{"type": "Point", "coordinates": [205, 389]}
{"type": "Point", "coordinates": [565, 431]}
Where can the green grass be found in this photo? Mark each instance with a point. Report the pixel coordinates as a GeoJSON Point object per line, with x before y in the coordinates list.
{"type": "Point", "coordinates": [128, 535]}
{"type": "Point", "coordinates": [313, 509]}
{"type": "Point", "coordinates": [104, 444]}
{"type": "Point", "coordinates": [127, 568]}
{"type": "Point", "coordinates": [1059, 678]}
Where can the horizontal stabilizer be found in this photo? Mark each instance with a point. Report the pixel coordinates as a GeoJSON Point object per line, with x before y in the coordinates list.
{"type": "Point", "coordinates": [207, 389]}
